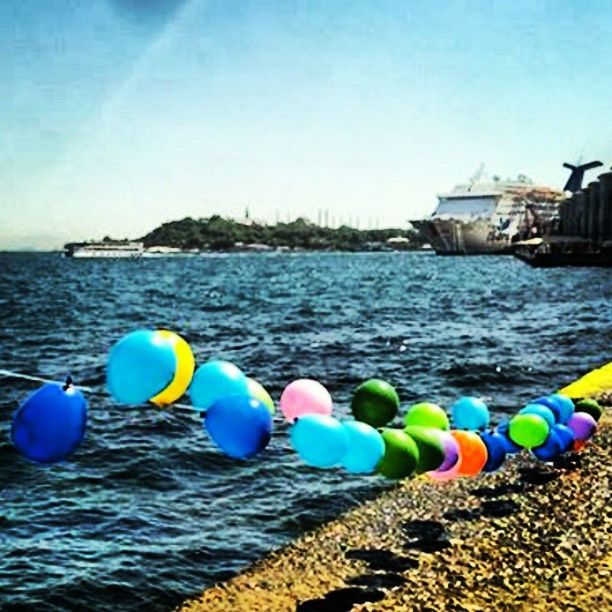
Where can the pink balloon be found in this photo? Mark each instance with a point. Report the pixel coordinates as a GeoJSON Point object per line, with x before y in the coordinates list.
{"type": "Point", "coordinates": [305, 396]}
{"type": "Point", "coordinates": [452, 463]}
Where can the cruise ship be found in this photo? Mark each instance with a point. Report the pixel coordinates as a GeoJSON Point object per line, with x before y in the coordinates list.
{"type": "Point", "coordinates": [110, 249]}
{"type": "Point", "coordinates": [483, 217]}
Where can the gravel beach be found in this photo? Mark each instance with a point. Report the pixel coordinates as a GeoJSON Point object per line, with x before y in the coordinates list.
{"type": "Point", "coordinates": [533, 536]}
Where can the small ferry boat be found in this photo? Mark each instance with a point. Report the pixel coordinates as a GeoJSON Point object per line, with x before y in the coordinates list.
{"type": "Point", "coordinates": [111, 249]}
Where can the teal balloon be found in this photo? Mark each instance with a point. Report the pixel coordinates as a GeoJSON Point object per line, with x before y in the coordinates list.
{"type": "Point", "coordinates": [50, 424]}
{"type": "Point", "coordinates": [541, 410]}
{"type": "Point", "coordinates": [240, 426]}
{"type": "Point", "coordinates": [140, 366]}
{"type": "Point", "coordinates": [366, 448]}
{"type": "Point", "coordinates": [470, 413]}
{"type": "Point", "coordinates": [215, 380]}
{"type": "Point", "coordinates": [320, 440]}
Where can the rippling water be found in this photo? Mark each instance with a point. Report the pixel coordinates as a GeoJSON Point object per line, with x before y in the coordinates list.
{"type": "Point", "coordinates": [148, 512]}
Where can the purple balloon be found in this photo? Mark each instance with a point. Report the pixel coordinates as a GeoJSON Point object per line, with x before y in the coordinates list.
{"type": "Point", "coordinates": [451, 450]}
{"type": "Point", "coordinates": [583, 425]}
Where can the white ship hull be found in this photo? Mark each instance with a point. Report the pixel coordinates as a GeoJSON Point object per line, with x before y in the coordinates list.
{"type": "Point", "coordinates": [485, 218]}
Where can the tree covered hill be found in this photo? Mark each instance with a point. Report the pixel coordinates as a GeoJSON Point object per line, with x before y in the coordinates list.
{"type": "Point", "coordinates": [218, 233]}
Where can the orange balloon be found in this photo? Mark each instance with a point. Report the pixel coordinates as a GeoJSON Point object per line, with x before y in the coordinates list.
{"type": "Point", "coordinates": [473, 452]}
{"type": "Point", "coordinates": [579, 445]}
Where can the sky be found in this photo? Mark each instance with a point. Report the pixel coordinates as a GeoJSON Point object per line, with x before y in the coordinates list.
{"type": "Point", "coordinates": [118, 115]}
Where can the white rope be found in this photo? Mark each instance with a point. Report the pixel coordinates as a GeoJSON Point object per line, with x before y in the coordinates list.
{"type": "Point", "coordinates": [10, 374]}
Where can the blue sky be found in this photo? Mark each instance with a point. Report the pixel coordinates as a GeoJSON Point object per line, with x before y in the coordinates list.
{"type": "Point", "coordinates": [117, 115]}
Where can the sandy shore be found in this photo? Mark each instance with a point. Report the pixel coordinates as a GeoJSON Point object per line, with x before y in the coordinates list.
{"type": "Point", "coordinates": [533, 536]}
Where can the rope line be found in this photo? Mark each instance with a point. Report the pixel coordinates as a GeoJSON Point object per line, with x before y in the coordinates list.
{"type": "Point", "coordinates": [91, 391]}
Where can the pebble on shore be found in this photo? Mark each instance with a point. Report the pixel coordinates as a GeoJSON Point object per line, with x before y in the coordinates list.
{"type": "Point", "coordinates": [533, 536]}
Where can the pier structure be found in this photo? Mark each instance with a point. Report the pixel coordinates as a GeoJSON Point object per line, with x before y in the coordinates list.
{"type": "Point", "coordinates": [584, 234]}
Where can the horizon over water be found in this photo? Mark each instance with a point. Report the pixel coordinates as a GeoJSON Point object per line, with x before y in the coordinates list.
{"type": "Point", "coordinates": [147, 512]}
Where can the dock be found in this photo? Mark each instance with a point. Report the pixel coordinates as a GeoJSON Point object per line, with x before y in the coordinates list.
{"type": "Point", "coordinates": [584, 233]}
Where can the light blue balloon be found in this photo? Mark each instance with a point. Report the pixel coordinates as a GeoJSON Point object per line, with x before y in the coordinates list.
{"type": "Point", "coordinates": [140, 365]}
{"type": "Point", "coordinates": [542, 411]}
{"type": "Point", "coordinates": [320, 440]}
{"type": "Point", "coordinates": [470, 413]}
{"type": "Point", "coordinates": [366, 448]}
{"type": "Point", "coordinates": [216, 380]}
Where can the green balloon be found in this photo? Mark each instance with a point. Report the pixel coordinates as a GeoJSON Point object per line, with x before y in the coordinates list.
{"type": "Point", "coordinates": [431, 449]}
{"type": "Point", "coordinates": [375, 402]}
{"type": "Point", "coordinates": [590, 406]}
{"type": "Point", "coordinates": [426, 414]}
{"type": "Point", "coordinates": [401, 455]}
{"type": "Point", "coordinates": [528, 430]}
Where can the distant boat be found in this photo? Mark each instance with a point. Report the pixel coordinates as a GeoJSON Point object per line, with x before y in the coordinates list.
{"type": "Point", "coordinates": [105, 250]}
{"type": "Point", "coordinates": [483, 217]}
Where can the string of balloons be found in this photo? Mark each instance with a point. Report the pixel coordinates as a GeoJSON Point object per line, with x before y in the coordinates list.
{"type": "Point", "coordinates": [157, 367]}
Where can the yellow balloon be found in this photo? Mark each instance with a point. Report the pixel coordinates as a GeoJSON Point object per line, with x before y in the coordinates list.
{"type": "Point", "coordinates": [258, 392]}
{"type": "Point", "coordinates": [185, 365]}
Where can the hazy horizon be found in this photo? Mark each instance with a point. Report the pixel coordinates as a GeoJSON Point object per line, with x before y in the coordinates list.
{"type": "Point", "coordinates": [119, 115]}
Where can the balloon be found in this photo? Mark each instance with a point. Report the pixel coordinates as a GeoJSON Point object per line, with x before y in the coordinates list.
{"type": "Point", "coordinates": [375, 402]}
{"type": "Point", "coordinates": [552, 447]}
{"type": "Point", "coordinates": [215, 380]}
{"type": "Point", "coordinates": [502, 429]}
{"type": "Point", "coordinates": [401, 454]}
{"type": "Point", "coordinates": [472, 451]}
{"type": "Point", "coordinates": [305, 396]}
{"type": "Point", "coordinates": [562, 407]}
{"type": "Point", "coordinates": [431, 448]}
{"type": "Point", "coordinates": [365, 448]}
{"type": "Point", "coordinates": [541, 410]}
{"type": "Point", "coordinates": [451, 451]}
{"type": "Point", "coordinates": [496, 450]}
{"type": "Point", "coordinates": [590, 406]}
{"type": "Point", "coordinates": [257, 391]}
{"type": "Point", "coordinates": [470, 413]}
{"type": "Point", "coordinates": [578, 445]}
{"type": "Point", "coordinates": [583, 425]}
{"type": "Point", "coordinates": [425, 414]}
{"type": "Point", "coordinates": [240, 426]}
{"type": "Point", "coordinates": [565, 435]}
{"type": "Point", "coordinates": [320, 440]}
{"type": "Point", "coordinates": [185, 364]}
{"type": "Point", "coordinates": [140, 366]}
{"type": "Point", "coordinates": [50, 424]}
{"type": "Point", "coordinates": [528, 430]}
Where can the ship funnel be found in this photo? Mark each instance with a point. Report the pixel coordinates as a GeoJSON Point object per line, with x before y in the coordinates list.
{"type": "Point", "coordinates": [574, 182]}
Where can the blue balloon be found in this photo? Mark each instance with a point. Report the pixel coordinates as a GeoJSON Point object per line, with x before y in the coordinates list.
{"type": "Point", "coordinates": [502, 429]}
{"type": "Point", "coordinates": [366, 448]}
{"type": "Point", "coordinates": [215, 380]}
{"type": "Point", "coordinates": [470, 413]}
{"type": "Point", "coordinates": [320, 440]}
{"type": "Point", "coordinates": [50, 424]}
{"type": "Point", "coordinates": [566, 436]}
{"type": "Point", "coordinates": [496, 450]}
{"type": "Point", "coordinates": [240, 426]}
{"type": "Point", "coordinates": [562, 407]}
{"type": "Point", "coordinates": [541, 410]}
{"type": "Point", "coordinates": [552, 447]}
{"type": "Point", "coordinates": [140, 366]}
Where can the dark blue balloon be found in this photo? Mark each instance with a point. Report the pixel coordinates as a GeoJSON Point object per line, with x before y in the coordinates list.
{"type": "Point", "coordinates": [240, 426]}
{"type": "Point", "coordinates": [496, 450]}
{"type": "Point", "coordinates": [502, 429]}
{"type": "Point", "coordinates": [566, 436]}
{"type": "Point", "coordinates": [562, 407]}
{"type": "Point", "coordinates": [50, 424]}
{"type": "Point", "coordinates": [551, 449]}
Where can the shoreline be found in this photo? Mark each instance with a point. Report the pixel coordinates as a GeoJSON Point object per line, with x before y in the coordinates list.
{"type": "Point", "coordinates": [531, 536]}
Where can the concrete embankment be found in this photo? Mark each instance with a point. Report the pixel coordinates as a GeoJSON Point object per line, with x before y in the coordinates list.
{"type": "Point", "coordinates": [532, 536]}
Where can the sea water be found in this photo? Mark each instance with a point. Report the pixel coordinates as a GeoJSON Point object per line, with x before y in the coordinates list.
{"type": "Point", "coordinates": [148, 512]}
